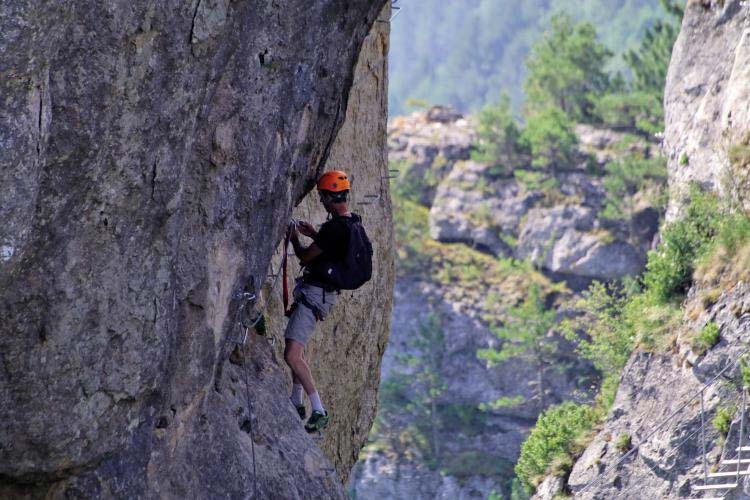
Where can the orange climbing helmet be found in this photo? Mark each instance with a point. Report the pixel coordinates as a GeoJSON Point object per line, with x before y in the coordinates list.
{"type": "Point", "coordinates": [334, 181]}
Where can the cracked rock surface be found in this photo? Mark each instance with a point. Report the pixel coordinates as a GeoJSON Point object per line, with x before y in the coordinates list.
{"type": "Point", "coordinates": [150, 156]}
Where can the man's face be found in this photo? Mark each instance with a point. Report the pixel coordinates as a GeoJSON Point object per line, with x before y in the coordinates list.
{"type": "Point", "coordinates": [325, 200]}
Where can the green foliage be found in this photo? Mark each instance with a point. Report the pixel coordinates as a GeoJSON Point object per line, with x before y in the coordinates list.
{"type": "Point", "coordinates": [427, 384]}
{"type": "Point", "coordinates": [744, 373]}
{"type": "Point", "coordinates": [524, 336]}
{"type": "Point", "coordinates": [638, 111]}
{"type": "Point", "coordinates": [722, 421]}
{"type": "Point", "coordinates": [707, 338]}
{"type": "Point", "coordinates": [406, 186]}
{"type": "Point", "coordinates": [623, 442]}
{"type": "Point", "coordinates": [498, 135]}
{"type": "Point", "coordinates": [669, 270]}
{"type": "Point", "coordinates": [684, 159]}
{"type": "Point", "coordinates": [739, 156]}
{"type": "Point", "coordinates": [610, 335]}
{"type": "Point", "coordinates": [554, 439]}
{"type": "Point", "coordinates": [567, 70]}
{"type": "Point", "coordinates": [533, 180]}
{"type": "Point", "coordinates": [626, 177]}
{"type": "Point", "coordinates": [503, 402]}
{"type": "Point", "coordinates": [517, 491]}
{"type": "Point", "coordinates": [550, 137]}
{"type": "Point", "coordinates": [649, 62]}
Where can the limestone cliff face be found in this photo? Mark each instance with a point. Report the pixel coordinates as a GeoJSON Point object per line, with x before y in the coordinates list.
{"type": "Point", "coordinates": [707, 103]}
{"type": "Point", "coordinates": [346, 349]}
{"type": "Point", "coordinates": [151, 155]}
{"type": "Point", "coordinates": [707, 97]}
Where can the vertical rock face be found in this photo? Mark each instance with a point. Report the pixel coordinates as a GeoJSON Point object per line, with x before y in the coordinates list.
{"type": "Point", "coordinates": [707, 97]}
{"type": "Point", "coordinates": [151, 153]}
{"type": "Point", "coordinates": [658, 404]}
{"type": "Point", "coordinates": [346, 349]}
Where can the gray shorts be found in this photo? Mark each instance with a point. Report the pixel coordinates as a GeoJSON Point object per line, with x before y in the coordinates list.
{"type": "Point", "coordinates": [302, 321]}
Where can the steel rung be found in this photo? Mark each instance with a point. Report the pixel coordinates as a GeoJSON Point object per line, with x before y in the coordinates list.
{"type": "Point", "coordinates": [729, 473]}
{"type": "Point", "coordinates": [725, 486]}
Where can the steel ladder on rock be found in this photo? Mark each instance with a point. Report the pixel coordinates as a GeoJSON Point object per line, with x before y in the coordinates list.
{"type": "Point", "coordinates": [739, 466]}
{"type": "Point", "coordinates": [720, 490]}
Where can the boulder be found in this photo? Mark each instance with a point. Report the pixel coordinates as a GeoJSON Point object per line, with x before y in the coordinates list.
{"type": "Point", "coordinates": [563, 241]}
{"type": "Point", "coordinates": [474, 208]}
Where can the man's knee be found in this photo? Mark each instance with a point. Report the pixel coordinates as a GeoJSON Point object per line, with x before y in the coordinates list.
{"type": "Point", "coordinates": [292, 354]}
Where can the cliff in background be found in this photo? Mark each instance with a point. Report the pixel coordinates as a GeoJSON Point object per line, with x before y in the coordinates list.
{"type": "Point", "coordinates": [707, 99]}
{"type": "Point", "coordinates": [151, 156]}
{"type": "Point", "coordinates": [463, 231]}
{"type": "Point", "coordinates": [707, 102]}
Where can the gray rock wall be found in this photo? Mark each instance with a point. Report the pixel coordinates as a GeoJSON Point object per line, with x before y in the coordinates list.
{"type": "Point", "coordinates": [151, 154]}
{"type": "Point", "coordinates": [706, 96]}
{"type": "Point", "coordinates": [657, 404]}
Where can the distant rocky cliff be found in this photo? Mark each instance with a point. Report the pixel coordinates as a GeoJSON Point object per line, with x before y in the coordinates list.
{"type": "Point", "coordinates": [707, 100]}
{"type": "Point", "coordinates": [151, 155]}
{"type": "Point", "coordinates": [474, 220]}
{"type": "Point", "coordinates": [556, 225]}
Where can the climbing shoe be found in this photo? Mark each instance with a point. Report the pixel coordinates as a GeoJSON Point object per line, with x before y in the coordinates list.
{"type": "Point", "coordinates": [317, 421]}
{"type": "Point", "coordinates": [302, 411]}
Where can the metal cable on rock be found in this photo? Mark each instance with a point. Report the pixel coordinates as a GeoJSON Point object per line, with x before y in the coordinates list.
{"type": "Point", "coordinates": [241, 339]}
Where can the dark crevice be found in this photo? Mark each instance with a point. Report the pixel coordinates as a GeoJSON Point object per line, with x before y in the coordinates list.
{"type": "Point", "coordinates": [153, 180]}
{"type": "Point", "coordinates": [39, 121]}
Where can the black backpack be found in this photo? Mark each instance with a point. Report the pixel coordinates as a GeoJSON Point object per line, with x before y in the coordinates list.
{"type": "Point", "coordinates": [356, 268]}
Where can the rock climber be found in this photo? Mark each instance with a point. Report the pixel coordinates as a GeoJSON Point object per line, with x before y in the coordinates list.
{"type": "Point", "coordinates": [325, 273]}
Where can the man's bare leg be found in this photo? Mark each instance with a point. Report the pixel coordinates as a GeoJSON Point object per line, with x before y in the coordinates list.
{"type": "Point", "coordinates": [295, 358]}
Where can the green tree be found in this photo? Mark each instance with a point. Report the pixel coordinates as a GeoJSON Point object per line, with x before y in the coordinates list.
{"type": "Point", "coordinates": [649, 62]}
{"type": "Point", "coordinates": [566, 70]}
{"type": "Point", "coordinates": [525, 336]}
{"type": "Point", "coordinates": [498, 135]}
{"type": "Point", "coordinates": [555, 438]}
{"type": "Point", "coordinates": [604, 332]}
{"type": "Point", "coordinates": [550, 137]}
{"type": "Point", "coordinates": [625, 178]}
{"type": "Point", "coordinates": [639, 107]}
{"type": "Point", "coordinates": [638, 111]}
{"type": "Point", "coordinates": [427, 385]}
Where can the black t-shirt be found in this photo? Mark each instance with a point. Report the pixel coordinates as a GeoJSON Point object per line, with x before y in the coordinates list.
{"type": "Point", "coordinates": [333, 239]}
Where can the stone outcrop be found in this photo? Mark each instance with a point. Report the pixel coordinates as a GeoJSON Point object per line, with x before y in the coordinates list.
{"type": "Point", "coordinates": [430, 143]}
{"type": "Point", "coordinates": [658, 407]}
{"type": "Point", "coordinates": [706, 98]}
{"type": "Point", "coordinates": [151, 156]}
{"type": "Point", "coordinates": [658, 401]}
{"type": "Point", "coordinates": [559, 228]}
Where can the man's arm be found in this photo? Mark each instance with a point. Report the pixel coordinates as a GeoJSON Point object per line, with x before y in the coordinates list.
{"type": "Point", "coordinates": [304, 254]}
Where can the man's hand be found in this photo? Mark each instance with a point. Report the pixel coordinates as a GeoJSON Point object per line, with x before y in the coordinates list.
{"type": "Point", "coordinates": [307, 229]}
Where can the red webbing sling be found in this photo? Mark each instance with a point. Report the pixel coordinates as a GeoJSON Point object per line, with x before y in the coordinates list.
{"type": "Point", "coordinates": [284, 273]}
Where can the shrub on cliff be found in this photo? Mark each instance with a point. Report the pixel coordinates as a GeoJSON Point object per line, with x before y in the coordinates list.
{"type": "Point", "coordinates": [557, 437]}
{"type": "Point", "coordinates": [669, 270]}
{"type": "Point", "coordinates": [550, 137]}
{"type": "Point", "coordinates": [498, 134]}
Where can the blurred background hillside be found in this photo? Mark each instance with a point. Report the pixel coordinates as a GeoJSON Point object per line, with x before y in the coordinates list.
{"type": "Point", "coordinates": [464, 53]}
